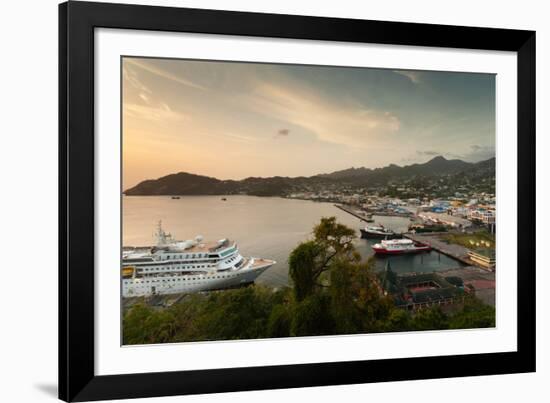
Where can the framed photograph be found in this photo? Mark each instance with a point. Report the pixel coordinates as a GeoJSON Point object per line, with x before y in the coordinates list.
{"type": "Point", "coordinates": [257, 201]}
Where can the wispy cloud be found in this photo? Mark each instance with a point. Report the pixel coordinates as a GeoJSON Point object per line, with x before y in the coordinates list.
{"type": "Point", "coordinates": [414, 76]}
{"type": "Point", "coordinates": [475, 153]}
{"type": "Point", "coordinates": [430, 153]}
{"type": "Point", "coordinates": [163, 73]}
{"type": "Point", "coordinates": [334, 121]}
{"type": "Point", "coordinates": [130, 76]}
{"type": "Point", "coordinates": [239, 137]}
{"type": "Point", "coordinates": [423, 155]}
{"type": "Point", "coordinates": [155, 109]}
{"type": "Point", "coordinates": [159, 113]}
{"type": "Point", "coordinates": [479, 153]}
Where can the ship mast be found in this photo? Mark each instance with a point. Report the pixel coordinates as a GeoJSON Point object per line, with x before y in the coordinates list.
{"type": "Point", "coordinates": [160, 234]}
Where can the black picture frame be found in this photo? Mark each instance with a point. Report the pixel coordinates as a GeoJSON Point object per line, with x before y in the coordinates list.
{"type": "Point", "coordinates": [77, 21]}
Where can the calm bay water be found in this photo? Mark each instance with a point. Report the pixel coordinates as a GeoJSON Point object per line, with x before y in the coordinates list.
{"type": "Point", "coordinates": [268, 227]}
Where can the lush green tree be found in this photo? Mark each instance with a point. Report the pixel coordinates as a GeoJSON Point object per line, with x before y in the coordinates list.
{"type": "Point", "coordinates": [431, 318]}
{"type": "Point", "coordinates": [310, 261]}
{"type": "Point", "coordinates": [303, 269]}
{"type": "Point", "coordinates": [475, 314]}
{"type": "Point", "coordinates": [330, 265]}
{"type": "Point", "coordinates": [336, 238]}
{"type": "Point", "coordinates": [357, 302]}
{"type": "Point", "coordinates": [142, 325]}
{"type": "Point", "coordinates": [399, 320]}
{"type": "Point", "coordinates": [373, 306]}
{"type": "Point", "coordinates": [134, 324]}
{"type": "Point", "coordinates": [187, 313]}
{"type": "Point", "coordinates": [238, 314]}
{"type": "Point", "coordinates": [342, 301]}
{"type": "Point", "coordinates": [312, 317]}
{"type": "Point", "coordinates": [280, 320]}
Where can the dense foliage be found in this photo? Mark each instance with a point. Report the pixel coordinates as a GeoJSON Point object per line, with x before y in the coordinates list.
{"type": "Point", "coordinates": [332, 292]}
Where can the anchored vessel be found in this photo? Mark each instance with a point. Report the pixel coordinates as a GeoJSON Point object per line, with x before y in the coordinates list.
{"type": "Point", "coordinates": [173, 266]}
{"type": "Point", "coordinates": [377, 232]}
{"type": "Point", "coordinates": [399, 246]}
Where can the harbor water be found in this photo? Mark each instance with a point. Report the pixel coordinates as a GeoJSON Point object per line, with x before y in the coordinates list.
{"type": "Point", "coordinates": [268, 227]}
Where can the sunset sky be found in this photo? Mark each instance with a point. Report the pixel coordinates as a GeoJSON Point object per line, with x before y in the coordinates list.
{"type": "Point", "coordinates": [234, 120]}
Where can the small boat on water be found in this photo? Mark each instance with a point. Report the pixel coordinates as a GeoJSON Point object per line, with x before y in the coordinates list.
{"type": "Point", "coordinates": [224, 199]}
{"type": "Point", "coordinates": [378, 232]}
{"type": "Point", "coordinates": [175, 197]}
{"type": "Point", "coordinates": [399, 247]}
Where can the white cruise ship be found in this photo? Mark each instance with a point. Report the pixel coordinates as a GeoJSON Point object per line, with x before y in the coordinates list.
{"type": "Point", "coordinates": [172, 266]}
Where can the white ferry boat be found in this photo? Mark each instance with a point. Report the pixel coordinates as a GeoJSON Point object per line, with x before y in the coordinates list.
{"type": "Point", "coordinates": [173, 266]}
{"type": "Point", "coordinates": [399, 246]}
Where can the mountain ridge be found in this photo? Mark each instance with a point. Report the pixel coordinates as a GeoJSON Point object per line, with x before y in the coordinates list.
{"type": "Point", "coordinates": [438, 162]}
{"type": "Point", "coordinates": [184, 183]}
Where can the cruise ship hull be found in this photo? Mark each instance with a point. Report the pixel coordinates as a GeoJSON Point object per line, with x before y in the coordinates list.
{"type": "Point", "coordinates": [191, 283]}
{"type": "Point", "coordinates": [174, 267]}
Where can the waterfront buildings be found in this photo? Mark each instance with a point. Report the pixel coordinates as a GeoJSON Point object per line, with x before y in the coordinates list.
{"type": "Point", "coordinates": [417, 291]}
{"type": "Point", "coordinates": [485, 215]}
{"type": "Point", "coordinates": [484, 257]}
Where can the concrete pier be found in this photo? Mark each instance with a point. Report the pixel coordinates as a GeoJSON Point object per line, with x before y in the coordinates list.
{"type": "Point", "coordinates": [353, 213]}
{"type": "Point", "coordinates": [364, 216]}
{"type": "Point", "coordinates": [457, 252]}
